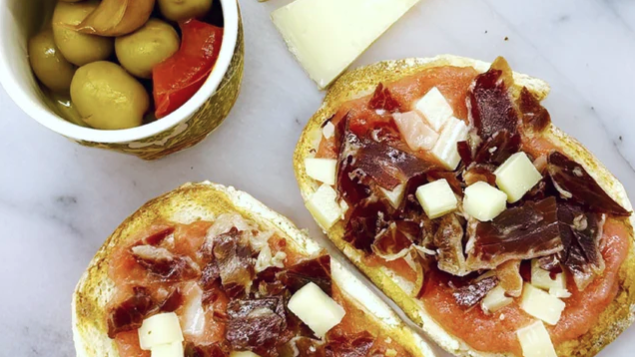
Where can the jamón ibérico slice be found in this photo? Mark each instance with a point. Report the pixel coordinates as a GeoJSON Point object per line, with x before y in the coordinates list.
{"type": "Point", "coordinates": [316, 270]}
{"type": "Point", "coordinates": [307, 347]}
{"type": "Point", "coordinates": [472, 293]}
{"type": "Point", "coordinates": [258, 325]}
{"type": "Point", "coordinates": [367, 220]}
{"type": "Point", "coordinates": [534, 116]}
{"type": "Point", "coordinates": [581, 233]}
{"type": "Point", "coordinates": [235, 261]}
{"type": "Point", "coordinates": [383, 100]}
{"type": "Point", "coordinates": [498, 148]}
{"type": "Point", "coordinates": [394, 243]}
{"type": "Point", "coordinates": [450, 177]}
{"type": "Point", "coordinates": [173, 301]}
{"type": "Point", "coordinates": [129, 314]}
{"type": "Point", "coordinates": [448, 241]}
{"type": "Point", "coordinates": [210, 350]}
{"type": "Point", "coordinates": [479, 172]}
{"type": "Point", "coordinates": [465, 152]}
{"type": "Point", "coordinates": [576, 185]}
{"type": "Point", "coordinates": [519, 233]}
{"type": "Point", "coordinates": [490, 103]}
{"type": "Point", "coordinates": [165, 264]}
{"type": "Point", "coordinates": [351, 345]}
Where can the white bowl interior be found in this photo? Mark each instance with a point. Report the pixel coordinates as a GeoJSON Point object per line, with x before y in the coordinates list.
{"type": "Point", "coordinates": [20, 19]}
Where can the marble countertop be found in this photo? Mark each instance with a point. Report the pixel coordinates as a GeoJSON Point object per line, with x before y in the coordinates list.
{"type": "Point", "coordinates": [59, 201]}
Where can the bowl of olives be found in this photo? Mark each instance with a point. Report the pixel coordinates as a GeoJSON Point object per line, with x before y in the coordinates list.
{"type": "Point", "coordinates": [144, 77]}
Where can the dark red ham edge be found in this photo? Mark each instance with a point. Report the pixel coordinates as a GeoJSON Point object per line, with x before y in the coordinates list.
{"type": "Point", "coordinates": [491, 105]}
{"type": "Point", "coordinates": [581, 233]}
{"type": "Point", "coordinates": [383, 100]}
{"type": "Point", "coordinates": [472, 293]}
{"type": "Point", "coordinates": [258, 325]}
{"type": "Point", "coordinates": [316, 271]}
{"type": "Point", "coordinates": [356, 345]}
{"type": "Point", "coordinates": [533, 115]}
{"type": "Point", "coordinates": [235, 262]}
{"type": "Point", "coordinates": [129, 314]}
{"type": "Point", "coordinates": [524, 232]}
{"type": "Point", "coordinates": [161, 262]}
{"type": "Point", "coordinates": [571, 177]}
{"type": "Point", "coordinates": [209, 350]}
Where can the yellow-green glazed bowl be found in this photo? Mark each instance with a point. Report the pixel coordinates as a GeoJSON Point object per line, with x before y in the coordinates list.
{"type": "Point", "coordinates": [183, 128]}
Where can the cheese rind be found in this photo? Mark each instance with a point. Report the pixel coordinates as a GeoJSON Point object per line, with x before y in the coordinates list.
{"type": "Point", "coordinates": [322, 170]}
{"type": "Point", "coordinates": [174, 349]}
{"type": "Point", "coordinates": [316, 309]}
{"type": "Point", "coordinates": [483, 201]}
{"type": "Point", "coordinates": [445, 149]}
{"type": "Point", "coordinates": [324, 207]}
{"type": "Point", "coordinates": [160, 329]}
{"type": "Point", "coordinates": [516, 176]}
{"type": "Point", "coordinates": [417, 134]}
{"type": "Point", "coordinates": [541, 304]}
{"type": "Point", "coordinates": [495, 300]}
{"type": "Point", "coordinates": [326, 36]}
{"type": "Point", "coordinates": [535, 341]}
{"type": "Point", "coordinates": [434, 108]}
{"type": "Point", "coordinates": [436, 198]}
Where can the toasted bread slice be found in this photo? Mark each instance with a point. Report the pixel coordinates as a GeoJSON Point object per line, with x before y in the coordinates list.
{"type": "Point", "coordinates": [196, 201]}
{"type": "Point", "coordinates": [362, 82]}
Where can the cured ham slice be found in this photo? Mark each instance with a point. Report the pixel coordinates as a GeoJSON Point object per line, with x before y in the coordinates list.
{"type": "Point", "coordinates": [525, 232]}
{"type": "Point", "coordinates": [575, 184]}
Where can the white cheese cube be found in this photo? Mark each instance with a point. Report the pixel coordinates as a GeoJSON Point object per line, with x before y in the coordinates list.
{"type": "Point", "coordinates": [174, 349]}
{"type": "Point", "coordinates": [516, 176]}
{"type": "Point", "coordinates": [445, 149]}
{"type": "Point", "coordinates": [540, 304]}
{"type": "Point", "coordinates": [328, 130]}
{"type": "Point", "coordinates": [417, 134]}
{"type": "Point", "coordinates": [483, 201]}
{"type": "Point", "coordinates": [160, 329]}
{"type": "Point", "coordinates": [535, 341]}
{"type": "Point", "coordinates": [436, 198]}
{"type": "Point", "coordinates": [560, 293]}
{"type": "Point", "coordinates": [316, 309]}
{"type": "Point", "coordinates": [243, 354]}
{"type": "Point", "coordinates": [324, 207]}
{"type": "Point", "coordinates": [326, 36]}
{"type": "Point", "coordinates": [434, 108]}
{"type": "Point", "coordinates": [495, 300]}
{"type": "Point", "coordinates": [395, 196]}
{"type": "Point", "coordinates": [322, 170]}
{"type": "Point", "coordinates": [541, 278]}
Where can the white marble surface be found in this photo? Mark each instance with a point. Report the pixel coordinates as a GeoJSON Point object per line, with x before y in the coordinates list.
{"type": "Point", "coordinates": [59, 201]}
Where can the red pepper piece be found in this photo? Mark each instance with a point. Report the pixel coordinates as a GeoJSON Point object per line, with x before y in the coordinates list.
{"type": "Point", "coordinates": [179, 77]}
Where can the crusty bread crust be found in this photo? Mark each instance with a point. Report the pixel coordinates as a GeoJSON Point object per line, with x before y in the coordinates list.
{"type": "Point", "coordinates": [206, 201]}
{"type": "Point", "coordinates": [361, 82]}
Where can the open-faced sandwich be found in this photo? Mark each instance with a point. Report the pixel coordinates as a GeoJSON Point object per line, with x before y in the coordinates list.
{"type": "Point", "coordinates": [445, 181]}
{"type": "Point", "coordinates": [208, 271]}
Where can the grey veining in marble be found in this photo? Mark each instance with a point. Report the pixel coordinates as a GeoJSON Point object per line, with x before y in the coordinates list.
{"type": "Point", "coordinates": [59, 201]}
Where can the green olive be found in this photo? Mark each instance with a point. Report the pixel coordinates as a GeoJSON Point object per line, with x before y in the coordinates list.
{"type": "Point", "coordinates": [78, 48]}
{"type": "Point", "coordinates": [143, 49]}
{"type": "Point", "coordinates": [48, 64]}
{"type": "Point", "coordinates": [181, 10]}
{"type": "Point", "coordinates": [107, 97]}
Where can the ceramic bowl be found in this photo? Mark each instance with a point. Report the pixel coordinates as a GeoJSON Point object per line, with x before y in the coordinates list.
{"type": "Point", "coordinates": [188, 125]}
